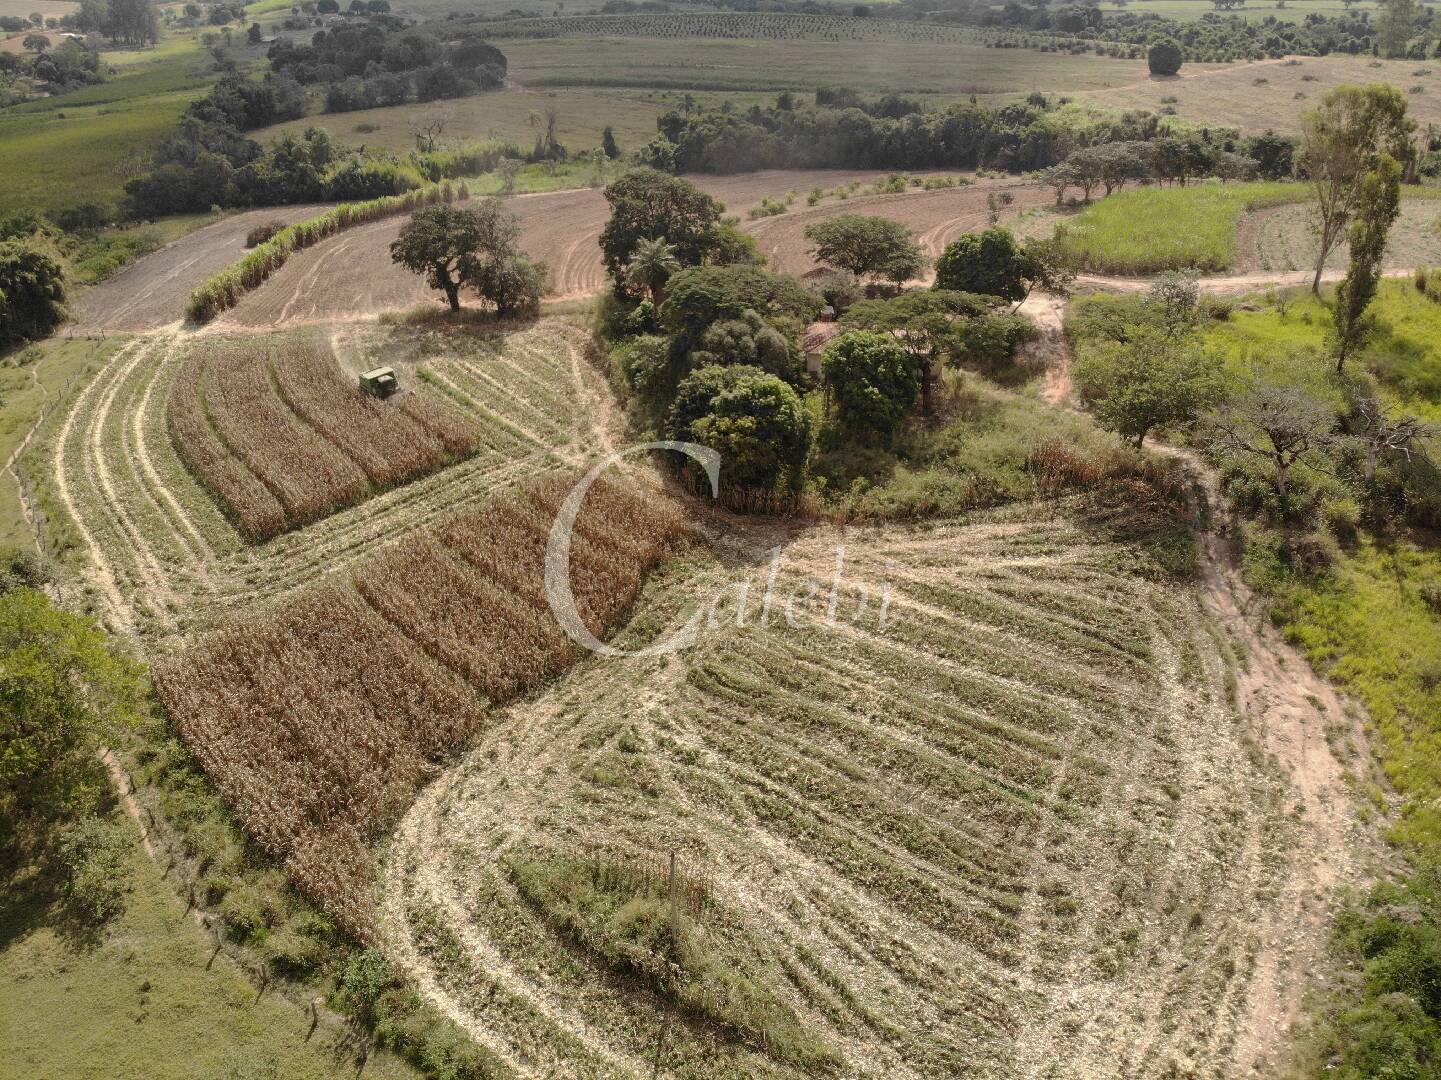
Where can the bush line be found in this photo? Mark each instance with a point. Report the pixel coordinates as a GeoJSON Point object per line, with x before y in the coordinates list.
{"type": "Point", "coordinates": [224, 290]}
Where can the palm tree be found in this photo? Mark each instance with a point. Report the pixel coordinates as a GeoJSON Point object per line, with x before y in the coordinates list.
{"type": "Point", "coordinates": [651, 265]}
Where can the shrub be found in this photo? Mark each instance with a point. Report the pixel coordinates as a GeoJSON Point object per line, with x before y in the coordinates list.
{"type": "Point", "coordinates": [263, 232]}
{"type": "Point", "coordinates": [1164, 58]}
{"type": "Point", "coordinates": [93, 853]}
{"type": "Point", "coordinates": [872, 380]}
{"type": "Point", "coordinates": [752, 419]}
{"type": "Point", "coordinates": [622, 915]}
{"type": "Point", "coordinates": [1342, 516]}
{"type": "Point", "coordinates": [1431, 594]}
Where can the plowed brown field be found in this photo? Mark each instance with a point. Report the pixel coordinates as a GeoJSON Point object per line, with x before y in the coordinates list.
{"type": "Point", "coordinates": [351, 276]}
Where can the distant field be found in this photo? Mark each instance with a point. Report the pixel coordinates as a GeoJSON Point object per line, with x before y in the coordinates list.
{"type": "Point", "coordinates": [1233, 96]}
{"type": "Point", "coordinates": [1147, 230]}
{"type": "Point", "coordinates": [502, 116]}
{"type": "Point", "coordinates": [1190, 10]}
{"type": "Point", "coordinates": [82, 147]}
{"type": "Point", "coordinates": [23, 9]}
{"type": "Point", "coordinates": [871, 67]}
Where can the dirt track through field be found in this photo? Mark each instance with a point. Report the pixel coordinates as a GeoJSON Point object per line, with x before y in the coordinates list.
{"type": "Point", "coordinates": [350, 276]}
{"type": "Point", "coordinates": [152, 292]}
{"type": "Point", "coordinates": [771, 759]}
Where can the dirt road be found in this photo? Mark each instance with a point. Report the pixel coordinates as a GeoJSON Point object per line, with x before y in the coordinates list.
{"type": "Point", "coordinates": [351, 276]}
{"type": "Point", "coordinates": [152, 292]}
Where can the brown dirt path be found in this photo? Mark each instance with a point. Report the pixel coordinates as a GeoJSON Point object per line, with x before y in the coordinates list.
{"type": "Point", "coordinates": [152, 291]}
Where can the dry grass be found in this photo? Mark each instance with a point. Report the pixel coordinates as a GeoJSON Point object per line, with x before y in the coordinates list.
{"type": "Point", "coordinates": [1229, 95]}
{"type": "Point", "coordinates": [1017, 830]}
{"type": "Point", "coordinates": [319, 719]}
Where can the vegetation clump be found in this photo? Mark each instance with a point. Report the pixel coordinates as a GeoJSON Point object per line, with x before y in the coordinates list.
{"type": "Point", "coordinates": [630, 920]}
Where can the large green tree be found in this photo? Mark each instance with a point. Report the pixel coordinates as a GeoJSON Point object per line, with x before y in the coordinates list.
{"type": "Point", "coordinates": [990, 263]}
{"type": "Point", "coordinates": [32, 291]}
{"type": "Point", "coordinates": [926, 322]}
{"type": "Point", "coordinates": [61, 691]}
{"type": "Point", "coordinates": [699, 295]}
{"type": "Point", "coordinates": [754, 421]}
{"type": "Point", "coordinates": [650, 205]}
{"type": "Point", "coordinates": [873, 247]}
{"type": "Point", "coordinates": [1377, 207]}
{"type": "Point", "coordinates": [1164, 57]}
{"type": "Point", "coordinates": [1151, 380]}
{"type": "Point", "coordinates": [1396, 25]}
{"type": "Point", "coordinates": [872, 382]}
{"type": "Point", "coordinates": [1342, 141]}
{"type": "Point", "coordinates": [456, 248]}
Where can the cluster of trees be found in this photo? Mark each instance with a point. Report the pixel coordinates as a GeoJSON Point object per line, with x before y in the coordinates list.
{"type": "Point", "coordinates": [32, 287]}
{"type": "Point", "coordinates": [1403, 27]}
{"type": "Point", "coordinates": [65, 694]}
{"type": "Point", "coordinates": [66, 66]}
{"type": "Point", "coordinates": [1164, 160]}
{"type": "Point", "coordinates": [709, 344]}
{"type": "Point", "coordinates": [383, 61]}
{"type": "Point", "coordinates": [841, 131]}
{"type": "Point", "coordinates": [1142, 364]}
{"type": "Point", "coordinates": [475, 250]}
{"type": "Point", "coordinates": [125, 22]}
{"type": "Point", "coordinates": [207, 160]}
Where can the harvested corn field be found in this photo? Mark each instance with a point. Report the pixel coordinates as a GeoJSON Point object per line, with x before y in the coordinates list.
{"type": "Point", "coordinates": [1003, 818]}
{"type": "Point", "coordinates": [318, 719]}
{"type": "Point", "coordinates": [284, 439]}
{"type": "Point", "coordinates": [138, 459]}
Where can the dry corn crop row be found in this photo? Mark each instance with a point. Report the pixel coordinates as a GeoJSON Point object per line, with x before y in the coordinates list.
{"type": "Point", "coordinates": [318, 720]}
{"type": "Point", "coordinates": [284, 440]}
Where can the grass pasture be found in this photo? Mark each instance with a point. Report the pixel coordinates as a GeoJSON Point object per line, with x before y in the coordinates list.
{"type": "Point", "coordinates": [1404, 354]}
{"type": "Point", "coordinates": [140, 1000]}
{"type": "Point", "coordinates": [1148, 230]}
{"type": "Point", "coordinates": [82, 147]}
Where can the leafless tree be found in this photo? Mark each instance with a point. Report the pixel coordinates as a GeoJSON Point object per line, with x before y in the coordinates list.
{"type": "Point", "coordinates": [1380, 435]}
{"type": "Point", "coordinates": [428, 128]}
{"type": "Point", "coordinates": [1281, 425]}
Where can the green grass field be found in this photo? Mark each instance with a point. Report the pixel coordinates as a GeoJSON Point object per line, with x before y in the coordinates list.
{"type": "Point", "coordinates": [498, 116]}
{"type": "Point", "coordinates": [82, 147]}
{"type": "Point", "coordinates": [1148, 230]}
{"type": "Point", "coordinates": [1366, 622]}
{"type": "Point", "coordinates": [140, 1001]}
{"type": "Point", "coordinates": [1404, 355]}
{"type": "Point", "coordinates": [32, 382]}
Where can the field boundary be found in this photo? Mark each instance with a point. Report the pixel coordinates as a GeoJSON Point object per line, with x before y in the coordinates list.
{"type": "Point", "coordinates": [224, 290]}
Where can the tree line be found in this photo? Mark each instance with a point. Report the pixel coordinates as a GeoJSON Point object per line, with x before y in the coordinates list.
{"type": "Point", "coordinates": [839, 130]}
